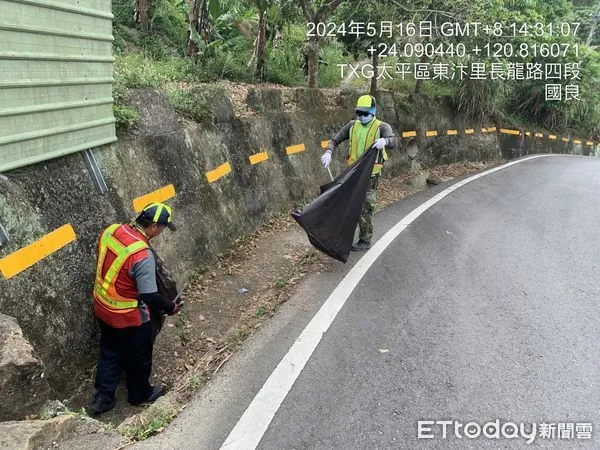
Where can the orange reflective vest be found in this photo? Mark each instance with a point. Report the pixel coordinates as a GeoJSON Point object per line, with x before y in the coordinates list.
{"type": "Point", "coordinates": [115, 291]}
{"type": "Point", "coordinates": [361, 141]}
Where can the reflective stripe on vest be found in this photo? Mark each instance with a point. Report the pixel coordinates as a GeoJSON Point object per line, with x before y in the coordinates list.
{"type": "Point", "coordinates": [372, 135]}
{"type": "Point", "coordinates": [104, 289]}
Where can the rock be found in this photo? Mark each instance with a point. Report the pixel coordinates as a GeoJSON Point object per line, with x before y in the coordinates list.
{"type": "Point", "coordinates": [31, 434]}
{"type": "Point", "coordinates": [221, 107]}
{"type": "Point", "coordinates": [22, 383]}
{"type": "Point", "coordinates": [97, 441]}
{"type": "Point", "coordinates": [157, 116]}
{"type": "Point", "coordinates": [91, 434]}
{"type": "Point", "coordinates": [386, 106]}
{"type": "Point", "coordinates": [266, 100]}
{"type": "Point", "coordinates": [61, 432]}
{"type": "Point", "coordinates": [312, 100]}
{"type": "Point", "coordinates": [419, 181]}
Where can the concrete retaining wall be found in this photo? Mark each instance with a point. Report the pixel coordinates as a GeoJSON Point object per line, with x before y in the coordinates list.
{"type": "Point", "coordinates": [52, 299]}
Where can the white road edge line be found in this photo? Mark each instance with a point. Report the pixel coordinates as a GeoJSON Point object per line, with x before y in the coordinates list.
{"type": "Point", "coordinates": [253, 424]}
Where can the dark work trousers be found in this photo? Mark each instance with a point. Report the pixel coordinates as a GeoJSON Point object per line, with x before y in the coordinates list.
{"type": "Point", "coordinates": [365, 222]}
{"type": "Point", "coordinates": [157, 319]}
{"type": "Point", "coordinates": [124, 349]}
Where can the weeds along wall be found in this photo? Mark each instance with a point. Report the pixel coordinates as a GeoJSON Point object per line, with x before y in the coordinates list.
{"type": "Point", "coordinates": [52, 299]}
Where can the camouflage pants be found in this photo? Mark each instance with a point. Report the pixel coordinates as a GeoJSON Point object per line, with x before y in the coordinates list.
{"type": "Point", "coordinates": [365, 223]}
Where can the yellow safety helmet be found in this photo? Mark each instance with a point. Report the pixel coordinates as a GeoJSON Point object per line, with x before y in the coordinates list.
{"type": "Point", "coordinates": [366, 103]}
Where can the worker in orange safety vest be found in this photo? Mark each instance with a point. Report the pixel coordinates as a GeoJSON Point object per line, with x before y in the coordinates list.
{"type": "Point", "coordinates": [124, 290]}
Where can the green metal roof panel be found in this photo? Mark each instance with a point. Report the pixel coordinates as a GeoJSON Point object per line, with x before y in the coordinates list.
{"type": "Point", "coordinates": [55, 79]}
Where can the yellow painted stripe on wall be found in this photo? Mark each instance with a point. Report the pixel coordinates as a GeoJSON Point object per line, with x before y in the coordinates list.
{"type": "Point", "coordinates": [484, 130]}
{"type": "Point", "coordinates": [431, 133]}
{"type": "Point", "coordinates": [566, 139]}
{"type": "Point", "coordinates": [324, 144]}
{"type": "Point", "coordinates": [160, 195]}
{"type": "Point", "coordinates": [552, 136]}
{"type": "Point", "coordinates": [539, 135]}
{"type": "Point", "coordinates": [589, 143]}
{"type": "Point", "coordinates": [294, 149]}
{"type": "Point", "coordinates": [491, 130]}
{"type": "Point", "coordinates": [506, 131]}
{"type": "Point", "coordinates": [258, 157]}
{"type": "Point", "coordinates": [219, 172]}
{"type": "Point", "coordinates": [452, 132]}
{"type": "Point", "coordinates": [26, 257]}
{"type": "Point", "coordinates": [409, 134]}
{"type": "Point", "coordinates": [577, 141]}
{"type": "Point", "coordinates": [528, 134]}
{"type": "Point", "coordinates": [469, 131]}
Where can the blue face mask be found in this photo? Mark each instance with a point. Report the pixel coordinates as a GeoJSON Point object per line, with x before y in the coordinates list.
{"type": "Point", "coordinates": [364, 119]}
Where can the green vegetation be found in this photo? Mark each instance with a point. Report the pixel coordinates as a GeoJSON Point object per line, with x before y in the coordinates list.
{"type": "Point", "coordinates": [125, 116]}
{"type": "Point", "coordinates": [266, 40]}
{"type": "Point", "coordinates": [192, 105]}
{"type": "Point", "coordinates": [197, 381]}
{"type": "Point", "coordinates": [280, 283]}
{"type": "Point", "coordinates": [49, 413]}
{"type": "Point", "coordinates": [238, 337]}
{"type": "Point", "coordinates": [155, 423]}
{"type": "Point", "coordinates": [181, 325]}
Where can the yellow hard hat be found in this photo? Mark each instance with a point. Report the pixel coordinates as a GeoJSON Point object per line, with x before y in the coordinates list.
{"type": "Point", "coordinates": [366, 103]}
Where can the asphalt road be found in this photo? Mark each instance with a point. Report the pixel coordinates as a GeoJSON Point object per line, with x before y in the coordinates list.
{"type": "Point", "coordinates": [486, 308]}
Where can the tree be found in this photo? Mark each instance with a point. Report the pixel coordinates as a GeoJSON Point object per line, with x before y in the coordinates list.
{"type": "Point", "coordinates": [316, 11]}
{"type": "Point", "coordinates": [261, 39]}
{"type": "Point", "coordinates": [141, 14]}
{"type": "Point", "coordinates": [195, 26]}
{"type": "Point", "coordinates": [395, 11]}
{"type": "Point", "coordinates": [359, 46]}
{"type": "Point", "coordinates": [595, 19]}
{"type": "Point", "coordinates": [202, 12]}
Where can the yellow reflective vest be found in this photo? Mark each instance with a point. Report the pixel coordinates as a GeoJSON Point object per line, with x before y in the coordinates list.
{"type": "Point", "coordinates": [361, 140]}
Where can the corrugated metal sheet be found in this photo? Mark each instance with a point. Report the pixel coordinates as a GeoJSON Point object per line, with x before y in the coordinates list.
{"type": "Point", "coordinates": [55, 79]}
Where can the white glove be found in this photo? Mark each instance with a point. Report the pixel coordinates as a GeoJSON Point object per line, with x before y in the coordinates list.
{"type": "Point", "coordinates": [380, 143]}
{"type": "Point", "coordinates": [326, 159]}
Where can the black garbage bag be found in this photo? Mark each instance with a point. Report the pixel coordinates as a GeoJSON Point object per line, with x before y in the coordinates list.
{"type": "Point", "coordinates": [167, 287]}
{"type": "Point", "coordinates": [331, 219]}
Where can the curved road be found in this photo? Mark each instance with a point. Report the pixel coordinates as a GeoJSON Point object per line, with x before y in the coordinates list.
{"type": "Point", "coordinates": [484, 309]}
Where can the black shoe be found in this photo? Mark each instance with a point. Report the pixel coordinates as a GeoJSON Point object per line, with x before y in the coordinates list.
{"type": "Point", "coordinates": [361, 246]}
{"type": "Point", "coordinates": [100, 406]}
{"type": "Point", "coordinates": [157, 391]}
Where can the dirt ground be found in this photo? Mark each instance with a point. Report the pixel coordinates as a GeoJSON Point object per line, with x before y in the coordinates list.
{"type": "Point", "coordinates": [229, 299]}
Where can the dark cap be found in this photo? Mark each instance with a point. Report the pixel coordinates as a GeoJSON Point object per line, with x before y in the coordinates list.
{"type": "Point", "coordinates": [159, 213]}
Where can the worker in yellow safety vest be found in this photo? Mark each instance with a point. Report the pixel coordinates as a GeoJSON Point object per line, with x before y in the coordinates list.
{"type": "Point", "coordinates": [363, 132]}
{"type": "Point", "coordinates": [125, 291]}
